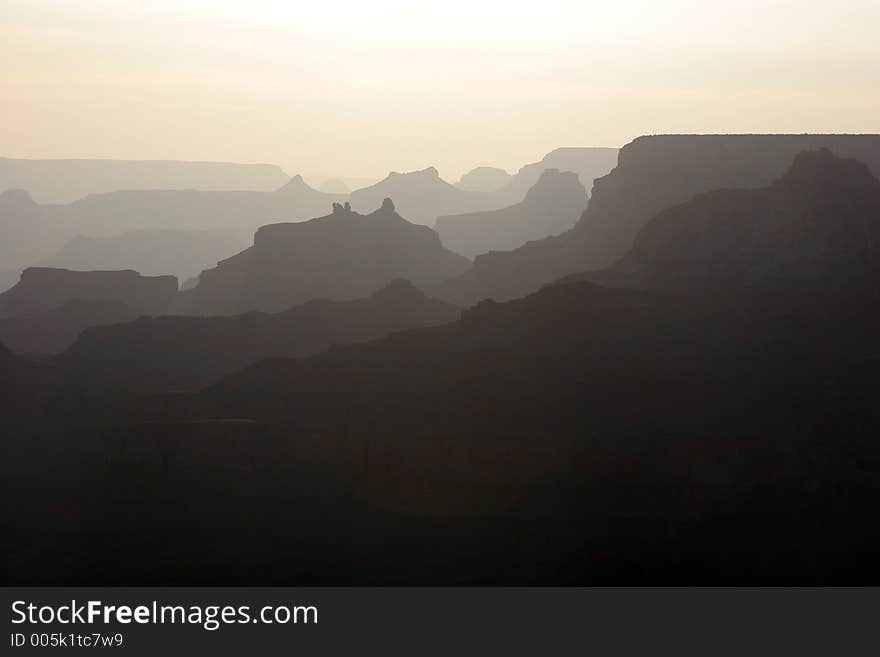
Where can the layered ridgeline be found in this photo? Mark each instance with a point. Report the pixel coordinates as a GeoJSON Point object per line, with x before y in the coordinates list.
{"type": "Point", "coordinates": [64, 181]}
{"type": "Point", "coordinates": [344, 255]}
{"type": "Point", "coordinates": [551, 206]}
{"type": "Point", "coordinates": [653, 174]}
{"type": "Point", "coordinates": [581, 434]}
{"type": "Point", "coordinates": [48, 308]}
{"type": "Point", "coordinates": [34, 232]}
{"type": "Point", "coordinates": [174, 353]}
{"type": "Point", "coordinates": [618, 427]}
{"type": "Point", "coordinates": [422, 196]}
{"type": "Point", "coordinates": [816, 228]}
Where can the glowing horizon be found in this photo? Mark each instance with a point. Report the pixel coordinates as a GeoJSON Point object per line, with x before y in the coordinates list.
{"type": "Point", "coordinates": [355, 89]}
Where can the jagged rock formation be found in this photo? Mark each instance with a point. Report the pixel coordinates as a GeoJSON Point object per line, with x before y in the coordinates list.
{"type": "Point", "coordinates": [168, 353]}
{"type": "Point", "coordinates": [35, 232]}
{"type": "Point", "coordinates": [421, 196]}
{"type": "Point", "coordinates": [552, 206]}
{"type": "Point", "coordinates": [42, 289]}
{"type": "Point", "coordinates": [344, 255]}
{"type": "Point", "coordinates": [182, 253]}
{"type": "Point", "coordinates": [815, 229]}
{"type": "Point", "coordinates": [53, 331]}
{"type": "Point", "coordinates": [484, 179]}
{"type": "Point", "coordinates": [653, 174]}
{"type": "Point", "coordinates": [64, 181]}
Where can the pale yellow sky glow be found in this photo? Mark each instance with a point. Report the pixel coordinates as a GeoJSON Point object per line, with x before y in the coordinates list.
{"type": "Point", "coordinates": [358, 88]}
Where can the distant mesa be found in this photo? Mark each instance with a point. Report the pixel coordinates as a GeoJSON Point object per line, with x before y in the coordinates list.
{"type": "Point", "coordinates": [43, 289]}
{"type": "Point", "coordinates": [175, 353]}
{"type": "Point", "coordinates": [343, 255]}
{"type": "Point", "coordinates": [552, 206]}
{"type": "Point", "coordinates": [64, 181]}
{"type": "Point", "coordinates": [484, 179]}
{"type": "Point", "coordinates": [653, 174]}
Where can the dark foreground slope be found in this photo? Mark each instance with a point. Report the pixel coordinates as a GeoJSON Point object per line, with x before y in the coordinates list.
{"type": "Point", "coordinates": [714, 433]}
{"type": "Point", "coordinates": [653, 174]}
{"type": "Point", "coordinates": [174, 353]}
{"type": "Point", "coordinates": [550, 207]}
{"type": "Point", "coordinates": [344, 255]}
{"type": "Point", "coordinates": [52, 331]}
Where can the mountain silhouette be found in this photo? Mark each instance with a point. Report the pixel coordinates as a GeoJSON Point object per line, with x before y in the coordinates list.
{"type": "Point", "coordinates": [344, 255]}
{"type": "Point", "coordinates": [43, 289]}
{"type": "Point", "coordinates": [653, 174]}
{"type": "Point", "coordinates": [484, 179]}
{"type": "Point", "coordinates": [53, 331]}
{"type": "Point", "coordinates": [169, 353]}
{"type": "Point", "coordinates": [64, 181]}
{"type": "Point", "coordinates": [36, 232]}
{"type": "Point", "coordinates": [552, 206]}
{"type": "Point", "coordinates": [816, 228]}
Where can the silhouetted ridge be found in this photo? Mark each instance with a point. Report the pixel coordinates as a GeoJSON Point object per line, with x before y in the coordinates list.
{"type": "Point", "coordinates": [189, 352]}
{"type": "Point", "coordinates": [344, 255]}
{"type": "Point", "coordinates": [53, 331]}
{"type": "Point", "coordinates": [552, 206]}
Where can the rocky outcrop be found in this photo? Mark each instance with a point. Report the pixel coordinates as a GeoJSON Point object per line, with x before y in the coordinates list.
{"type": "Point", "coordinates": [344, 255]}
{"type": "Point", "coordinates": [42, 289]}
{"type": "Point", "coordinates": [172, 353]}
{"type": "Point", "coordinates": [552, 206]}
{"type": "Point", "coordinates": [653, 174]}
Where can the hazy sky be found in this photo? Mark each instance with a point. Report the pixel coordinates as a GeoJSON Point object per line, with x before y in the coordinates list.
{"type": "Point", "coordinates": [359, 87]}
